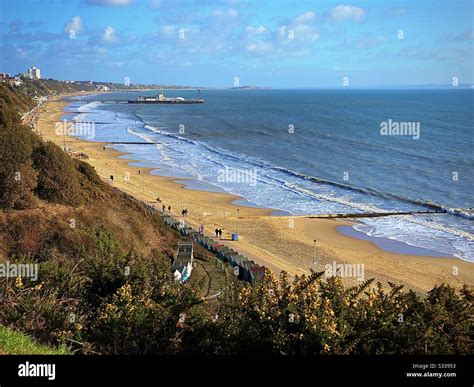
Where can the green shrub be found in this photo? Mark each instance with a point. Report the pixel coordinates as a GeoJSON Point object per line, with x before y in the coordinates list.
{"type": "Point", "coordinates": [316, 316]}
{"type": "Point", "coordinates": [57, 177]}
{"type": "Point", "coordinates": [18, 179]}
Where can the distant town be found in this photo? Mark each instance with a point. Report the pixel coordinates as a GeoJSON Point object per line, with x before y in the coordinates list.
{"type": "Point", "coordinates": [34, 74]}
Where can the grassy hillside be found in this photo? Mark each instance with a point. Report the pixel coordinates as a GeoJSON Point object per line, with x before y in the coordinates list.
{"type": "Point", "coordinates": [105, 284]}
{"type": "Point", "coordinates": [85, 235]}
{"type": "Point", "coordinates": [17, 343]}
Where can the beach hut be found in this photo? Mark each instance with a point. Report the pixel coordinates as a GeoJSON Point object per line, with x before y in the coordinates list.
{"type": "Point", "coordinates": [216, 247]}
{"type": "Point", "coordinates": [256, 273]}
{"type": "Point", "coordinates": [183, 263]}
{"type": "Point", "coordinates": [246, 265]}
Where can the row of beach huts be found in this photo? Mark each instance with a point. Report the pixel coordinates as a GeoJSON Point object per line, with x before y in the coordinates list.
{"type": "Point", "coordinates": [243, 268]}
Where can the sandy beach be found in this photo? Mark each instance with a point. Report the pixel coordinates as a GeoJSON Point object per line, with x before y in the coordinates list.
{"type": "Point", "coordinates": [278, 242]}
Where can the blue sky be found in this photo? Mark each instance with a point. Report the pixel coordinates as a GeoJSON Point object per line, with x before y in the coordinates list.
{"type": "Point", "coordinates": [277, 43]}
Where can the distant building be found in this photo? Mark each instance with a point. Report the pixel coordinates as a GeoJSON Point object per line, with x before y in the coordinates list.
{"type": "Point", "coordinates": [102, 88]}
{"type": "Point", "coordinates": [34, 73]}
{"type": "Point", "coordinates": [13, 81]}
{"type": "Point", "coordinates": [16, 81]}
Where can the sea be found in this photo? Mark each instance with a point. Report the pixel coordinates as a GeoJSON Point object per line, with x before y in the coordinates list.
{"type": "Point", "coordinates": [312, 151]}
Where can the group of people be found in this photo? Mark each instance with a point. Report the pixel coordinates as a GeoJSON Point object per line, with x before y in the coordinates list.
{"type": "Point", "coordinates": [218, 232]}
{"type": "Point", "coordinates": [185, 212]}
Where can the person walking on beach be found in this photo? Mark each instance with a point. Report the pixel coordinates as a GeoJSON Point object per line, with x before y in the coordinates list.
{"type": "Point", "coordinates": [217, 232]}
{"type": "Point", "coordinates": [220, 233]}
{"type": "Point", "coordinates": [169, 208]}
{"type": "Point", "coordinates": [164, 208]}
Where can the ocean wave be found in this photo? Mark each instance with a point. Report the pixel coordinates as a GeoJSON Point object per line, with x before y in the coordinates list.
{"type": "Point", "coordinates": [223, 154]}
{"type": "Point", "coordinates": [88, 106]}
{"type": "Point", "coordinates": [365, 191]}
{"type": "Point", "coordinates": [414, 231]}
{"type": "Point", "coordinates": [440, 227]}
{"type": "Point", "coordinates": [467, 213]}
{"type": "Point", "coordinates": [340, 200]}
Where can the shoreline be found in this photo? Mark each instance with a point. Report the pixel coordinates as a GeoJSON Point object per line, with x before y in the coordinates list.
{"type": "Point", "coordinates": [345, 226]}
{"type": "Point", "coordinates": [278, 242]}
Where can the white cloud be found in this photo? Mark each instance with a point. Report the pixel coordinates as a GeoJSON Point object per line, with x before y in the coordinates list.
{"type": "Point", "coordinates": [109, 36]}
{"type": "Point", "coordinates": [306, 32]}
{"type": "Point", "coordinates": [76, 24]}
{"type": "Point", "coordinates": [225, 14]}
{"type": "Point", "coordinates": [167, 30]}
{"type": "Point", "coordinates": [300, 31]}
{"type": "Point", "coordinates": [347, 12]}
{"type": "Point", "coordinates": [294, 38]}
{"type": "Point", "coordinates": [252, 31]}
{"type": "Point", "coordinates": [259, 47]}
{"type": "Point", "coordinates": [305, 18]}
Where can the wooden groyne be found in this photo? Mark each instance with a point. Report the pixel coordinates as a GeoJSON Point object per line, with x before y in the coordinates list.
{"type": "Point", "coordinates": [129, 142]}
{"type": "Point", "coordinates": [69, 122]}
{"type": "Point", "coordinates": [370, 214]}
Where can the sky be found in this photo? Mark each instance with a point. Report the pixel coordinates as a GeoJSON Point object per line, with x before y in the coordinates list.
{"type": "Point", "coordinates": [224, 43]}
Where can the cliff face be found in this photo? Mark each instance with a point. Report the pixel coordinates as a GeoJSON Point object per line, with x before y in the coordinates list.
{"type": "Point", "coordinates": [87, 238]}
{"type": "Point", "coordinates": [47, 197]}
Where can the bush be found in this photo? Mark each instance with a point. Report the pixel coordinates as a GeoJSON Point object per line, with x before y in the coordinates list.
{"type": "Point", "coordinates": [17, 176]}
{"type": "Point", "coordinates": [101, 304]}
{"type": "Point", "coordinates": [57, 177]}
{"type": "Point", "coordinates": [29, 166]}
{"type": "Point", "coordinates": [88, 172]}
{"type": "Point", "coordinates": [316, 316]}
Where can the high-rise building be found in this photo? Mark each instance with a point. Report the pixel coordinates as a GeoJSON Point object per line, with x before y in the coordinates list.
{"type": "Point", "coordinates": [34, 73]}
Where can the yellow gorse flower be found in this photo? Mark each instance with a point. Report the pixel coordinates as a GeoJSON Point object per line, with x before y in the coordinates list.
{"type": "Point", "coordinates": [19, 283]}
{"type": "Point", "coordinates": [125, 293]}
